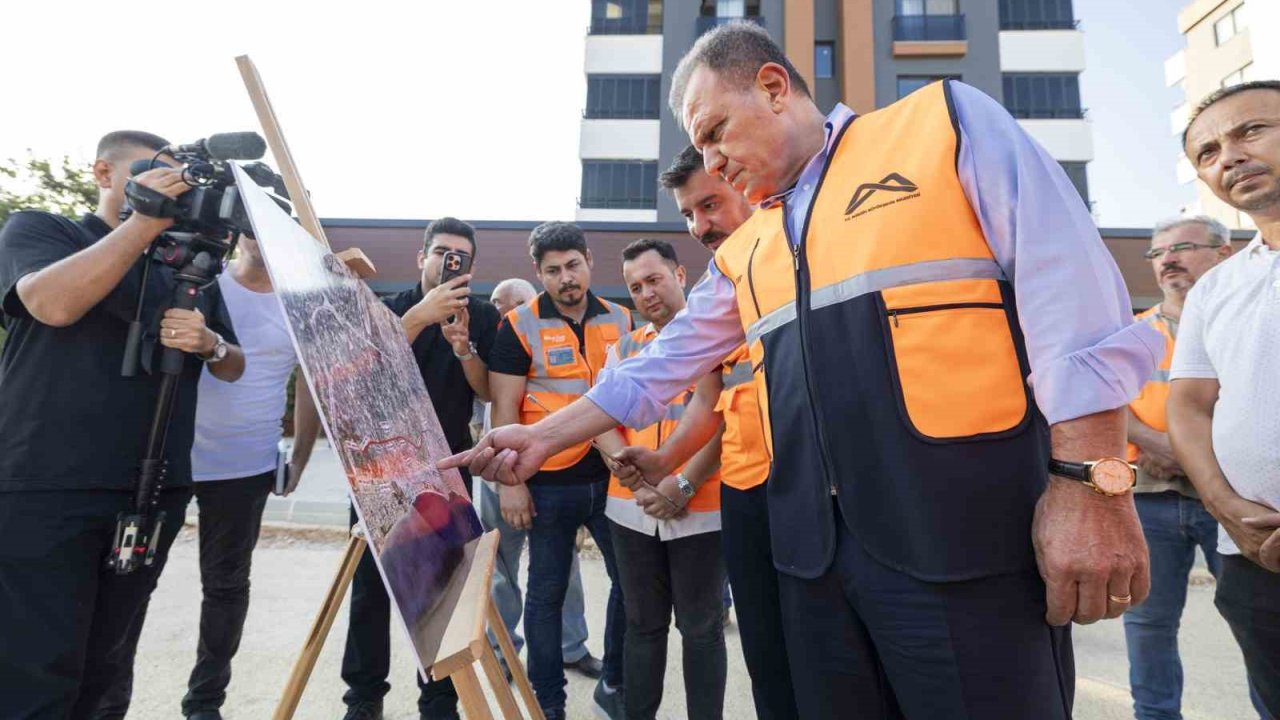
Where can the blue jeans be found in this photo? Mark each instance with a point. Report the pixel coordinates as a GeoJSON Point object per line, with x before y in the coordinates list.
{"type": "Point", "coordinates": [559, 511]}
{"type": "Point", "coordinates": [506, 584]}
{"type": "Point", "coordinates": [1174, 526]}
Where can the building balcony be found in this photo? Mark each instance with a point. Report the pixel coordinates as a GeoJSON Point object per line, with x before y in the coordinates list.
{"type": "Point", "coordinates": [1043, 113]}
{"type": "Point", "coordinates": [623, 26]}
{"type": "Point", "coordinates": [709, 22]}
{"type": "Point", "coordinates": [1059, 24]}
{"type": "Point", "coordinates": [928, 28]}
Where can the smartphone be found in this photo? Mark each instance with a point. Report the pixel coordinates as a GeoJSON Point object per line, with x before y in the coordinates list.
{"type": "Point", "coordinates": [282, 468]}
{"type": "Point", "coordinates": [455, 264]}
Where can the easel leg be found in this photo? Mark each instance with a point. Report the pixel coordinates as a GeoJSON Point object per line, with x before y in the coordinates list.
{"type": "Point", "coordinates": [470, 694]}
{"type": "Point", "coordinates": [506, 698]}
{"type": "Point", "coordinates": [520, 677]}
{"type": "Point", "coordinates": [320, 630]}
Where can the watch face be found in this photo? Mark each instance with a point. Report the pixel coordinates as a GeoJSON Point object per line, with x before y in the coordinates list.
{"type": "Point", "coordinates": [1112, 476]}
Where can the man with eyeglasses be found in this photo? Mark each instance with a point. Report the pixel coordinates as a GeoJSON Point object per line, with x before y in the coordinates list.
{"type": "Point", "coordinates": [1173, 518]}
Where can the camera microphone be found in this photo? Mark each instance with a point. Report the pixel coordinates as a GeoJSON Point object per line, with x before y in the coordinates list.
{"type": "Point", "coordinates": [225, 146]}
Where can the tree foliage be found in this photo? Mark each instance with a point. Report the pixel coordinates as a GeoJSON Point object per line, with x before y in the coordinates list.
{"type": "Point", "coordinates": [56, 186]}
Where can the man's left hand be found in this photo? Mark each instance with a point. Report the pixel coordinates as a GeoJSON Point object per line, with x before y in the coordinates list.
{"type": "Point", "coordinates": [1090, 549]}
{"type": "Point", "coordinates": [457, 333]}
{"type": "Point", "coordinates": [1269, 553]}
{"type": "Point", "coordinates": [185, 330]}
{"type": "Point", "coordinates": [665, 502]}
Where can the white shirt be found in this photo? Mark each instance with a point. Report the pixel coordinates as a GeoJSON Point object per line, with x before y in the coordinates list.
{"type": "Point", "coordinates": [238, 425]}
{"type": "Point", "coordinates": [1230, 331]}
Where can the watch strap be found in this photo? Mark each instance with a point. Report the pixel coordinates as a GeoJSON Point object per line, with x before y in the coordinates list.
{"type": "Point", "coordinates": [1073, 470]}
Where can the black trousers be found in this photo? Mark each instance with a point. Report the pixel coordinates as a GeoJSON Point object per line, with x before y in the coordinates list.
{"type": "Point", "coordinates": [687, 575]}
{"type": "Point", "coordinates": [869, 641]}
{"type": "Point", "coordinates": [748, 558]}
{"type": "Point", "coordinates": [230, 520]}
{"type": "Point", "coordinates": [65, 618]}
{"type": "Point", "coordinates": [1248, 597]}
{"type": "Point", "coordinates": [366, 663]}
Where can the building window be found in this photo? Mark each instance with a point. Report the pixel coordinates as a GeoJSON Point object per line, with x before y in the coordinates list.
{"type": "Point", "coordinates": [1079, 177]}
{"type": "Point", "coordinates": [619, 184]}
{"type": "Point", "coordinates": [626, 17]}
{"type": "Point", "coordinates": [1043, 95]}
{"type": "Point", "coordinates": [1229, 25]}
{"type": "Point", "coordinates": [713, 13]}
{"type": "Point", "coordinates": [908, 84]}
{"type": "Point", "coordinates": [633, 97]}
{"type": "Point", "coordinates": [1036, 15]}
{"type": "Point", "coordinates": [824, 60]}
{"type": "Point", "coordinates": [928, 20]}
{"type": "Point", "coordinates": [1243, 75]}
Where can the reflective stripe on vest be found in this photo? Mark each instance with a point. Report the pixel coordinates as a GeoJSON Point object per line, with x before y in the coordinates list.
{"type": "Point", "coordinates": [1151, 405]}
{"type": "Point", "coordinates": [744, 459]}
{"type": "Point", "coordinates": [558, 371]}
{"type": "Point", "coordinates": [892, 371]}
{"type": "Point", "coordinates": [703, 507]}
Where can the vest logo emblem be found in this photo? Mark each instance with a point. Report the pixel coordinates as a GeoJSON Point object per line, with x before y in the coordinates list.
{"type": "Point", "coordinates": [559, 356]}
{"type": "Point", "coordinates": [891, 183]}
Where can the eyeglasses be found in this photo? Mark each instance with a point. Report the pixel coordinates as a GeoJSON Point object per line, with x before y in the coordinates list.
{"type": "Point", "coordinates": [1154, 253]}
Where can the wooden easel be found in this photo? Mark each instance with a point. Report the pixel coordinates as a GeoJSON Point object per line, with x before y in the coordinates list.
{"type": "Point", "coordinates": [467, 609]}
{"type": "Point", "coordinates": [464, 615]}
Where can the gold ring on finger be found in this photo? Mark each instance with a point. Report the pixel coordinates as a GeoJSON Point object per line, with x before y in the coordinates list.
{"type": "Point", "coordinates": [1121, 599]}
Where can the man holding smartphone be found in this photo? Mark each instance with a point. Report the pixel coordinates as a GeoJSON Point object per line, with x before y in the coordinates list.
{"type": "Point", "coordinates": [451, 335]}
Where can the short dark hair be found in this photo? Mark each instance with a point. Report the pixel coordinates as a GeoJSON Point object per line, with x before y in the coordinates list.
{"type": "Point", "coordinates": [685, 164]}
{"type": "Point", "coordinates": [644, 245]}
{"type": "Point", "coordinates": [1218, 95]}
{"type": "Point", "coordinates": [556, 236]}
{"type": "Point", "coordinates": [114, 142]}
{"type": "Point", "coordinates": [734, 52]}
{"type": "Point", "coordinates": [449, 226]}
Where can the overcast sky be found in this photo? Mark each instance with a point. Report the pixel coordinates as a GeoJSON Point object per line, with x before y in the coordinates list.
{"type": "Point", "coordinates": [415, 110]}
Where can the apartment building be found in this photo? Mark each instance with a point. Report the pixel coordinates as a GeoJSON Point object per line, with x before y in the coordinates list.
{"type": "Point", "coordinates": [1219, 52]}
{"type": "Point", "coordinates": [865, 53]}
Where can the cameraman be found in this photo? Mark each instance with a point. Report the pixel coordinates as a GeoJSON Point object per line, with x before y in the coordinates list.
{"type": "Point", "coordinates": [72, 431]}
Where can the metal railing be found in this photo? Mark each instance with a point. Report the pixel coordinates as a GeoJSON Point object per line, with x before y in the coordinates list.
{"type": "Point", "coordinates": [1063, 24]}
{"type": "Point", "coordinates": [616, 203]}
{"type": "Point", "coordinates": [623, 26]}
{"type": "Point", "coordinates": [1062, 113]}
{"type": "Point", "coordinates": [928, 27]}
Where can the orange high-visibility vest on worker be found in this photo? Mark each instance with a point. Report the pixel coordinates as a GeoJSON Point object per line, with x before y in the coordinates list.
{"type": "Point", "coordinates": [560, 370]}
{"type": "Point", "coordinates": [744, 459]}
{"type": "Point", "coordinates": [894, 372]}
{"type": "Point", "coordinates": [704, 507]}
{"type": "Point", "coordinates": [1151, 405]}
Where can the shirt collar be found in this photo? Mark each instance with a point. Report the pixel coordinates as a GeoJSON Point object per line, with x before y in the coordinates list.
{"type": "Point", "coordinates": [839, 116]}
{"type": "Point", "coordinates": [1256, 247]}
{"type": "Point", "coordinates": [547, 309]}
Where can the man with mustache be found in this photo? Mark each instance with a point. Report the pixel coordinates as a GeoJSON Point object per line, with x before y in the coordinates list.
{"type": "Point", "coordinates": [547, 355]}
{"type": "Point", "coordinates": [1173, 519]}
{"type": "Point", "coordinates": [946, 494]}
{"type": "Point", "coordinates": [1224, 420]}
{"type": "Point", "coordinates": [726, 403]}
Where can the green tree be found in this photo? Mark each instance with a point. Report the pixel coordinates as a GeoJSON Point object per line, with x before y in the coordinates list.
{"type": "Point", "coordinates": [56, 186]}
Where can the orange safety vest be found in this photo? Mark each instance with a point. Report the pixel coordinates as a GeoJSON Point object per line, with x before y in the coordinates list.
{"type": "Point", "coordinates": [744, 458]}
{"type": "Point", "coordinates": [561, 371]}
{"type": "Point", "coordinates": [704, 506]}
{"type": "Point", "coordinates": [894, 368]}
{"type": "Point", "coordinates": [1151, 405]}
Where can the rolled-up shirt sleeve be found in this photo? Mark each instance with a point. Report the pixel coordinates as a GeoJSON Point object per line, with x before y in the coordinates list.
{"type": "Point", "coordinates": [636, 392]}
{"type": "Point", "coordinates": [1086, 352]}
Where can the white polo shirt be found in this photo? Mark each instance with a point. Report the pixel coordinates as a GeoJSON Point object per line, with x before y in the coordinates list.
{"type": "Point", "coordinates": [1230, 331]}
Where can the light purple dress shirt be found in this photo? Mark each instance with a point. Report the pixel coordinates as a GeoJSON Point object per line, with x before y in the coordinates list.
{"type": "Point", "coordinates": [1087, 354]}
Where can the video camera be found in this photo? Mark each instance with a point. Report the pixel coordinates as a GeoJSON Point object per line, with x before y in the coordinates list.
{"type": "Point", "coordinates": [208, 220]}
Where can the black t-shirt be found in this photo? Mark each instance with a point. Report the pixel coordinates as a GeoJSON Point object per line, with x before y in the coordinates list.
{"type": "Point", "coordinates": [510, 358]}
{"type": "Point", "coordinates": [446, 381]}
{"type": "Point", "coordinates": [68, 420]}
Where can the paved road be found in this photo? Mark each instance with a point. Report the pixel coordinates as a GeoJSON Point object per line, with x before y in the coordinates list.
{"type": "Point", "coordinates": [292, 569]}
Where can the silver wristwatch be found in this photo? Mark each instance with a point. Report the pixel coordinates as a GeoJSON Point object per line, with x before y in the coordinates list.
{"type": "Point", "coordinates": [471, 352]}
{"type": "Point", "coordinates": [686, 488]}
{"type": "Point", "coordinates": [219, 351]}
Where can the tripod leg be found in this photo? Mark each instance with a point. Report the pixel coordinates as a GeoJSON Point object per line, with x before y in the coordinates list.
{"type": "Point", "coordinates": [518, 675]}
{"type": "Point", "coordinates": [319, 630]}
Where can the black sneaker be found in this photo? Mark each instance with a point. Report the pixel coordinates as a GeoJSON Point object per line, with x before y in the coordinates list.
{"type": "Point", "coordinates": [609, 704]}
{"type": "Point", "coordinates": [589, 665]}
{"type": "Point", "coordinates": [212, 714]}
{"type": "Point", "coordinates": [365, 710]}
